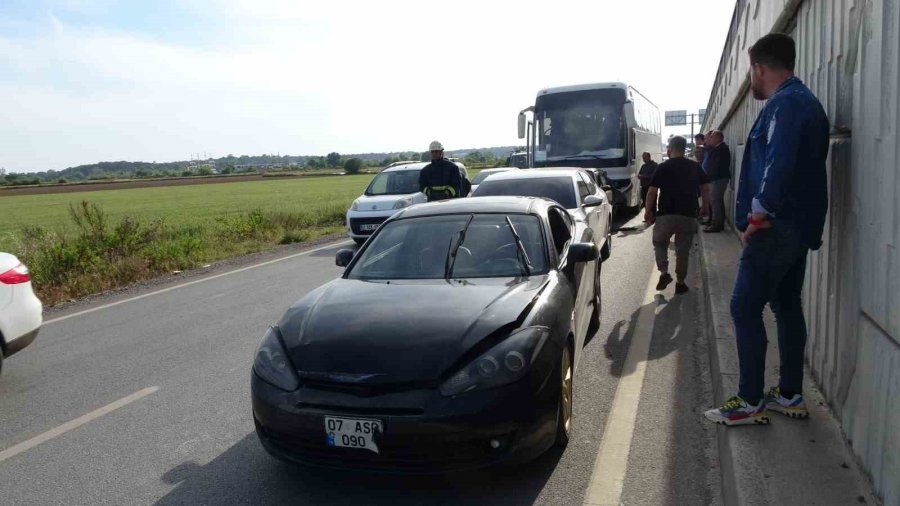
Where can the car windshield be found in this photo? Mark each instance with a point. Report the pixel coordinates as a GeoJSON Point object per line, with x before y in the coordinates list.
{"type": "Point", "coordinates": [586, 123]}
{"type": "Point", "coordinates": [484, 175]}
{"type": "Point", "coordinates": [422, 248]}
{"type": "Point", "coordinates": [559, 189]}
{"type": "Point", "coordinates": [399, 182]}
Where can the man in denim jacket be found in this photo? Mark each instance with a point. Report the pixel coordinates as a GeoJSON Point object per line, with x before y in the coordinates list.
{"type": "Point", "coordinates": [780, 210]}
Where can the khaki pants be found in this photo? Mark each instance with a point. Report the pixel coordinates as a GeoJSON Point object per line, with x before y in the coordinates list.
{"type": "Point", "coordinates": [683, 228]}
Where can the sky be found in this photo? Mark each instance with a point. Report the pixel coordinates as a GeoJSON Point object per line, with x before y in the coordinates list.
{"type": "Point", "coordinates": [84, 81]}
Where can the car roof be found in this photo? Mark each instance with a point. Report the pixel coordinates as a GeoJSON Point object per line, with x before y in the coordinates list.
{"type": "Point", "coordinates": [521, 205]}
{"type": "Point", "coordinates": [532, 174]}
{"type": "Point", "coordinates": [413, 166]}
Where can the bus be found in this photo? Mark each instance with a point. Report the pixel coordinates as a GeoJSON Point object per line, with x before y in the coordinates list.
{"type": "Point", "coordinates": [605, 126]}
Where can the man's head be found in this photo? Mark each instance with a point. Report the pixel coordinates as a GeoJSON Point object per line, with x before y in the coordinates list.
{"type": "Point", "coordinates": [772, 61]}
{"type": "Point", "coordinates": [677, 146]}
{"type": "Point", "coordinates": [699, 139]}
{"type": "Point", "coordinates": [715, 138]}
{"type": "Point", "coordinates": [437, 150]}
{"type": "Point", "coordinates": [646, 157]}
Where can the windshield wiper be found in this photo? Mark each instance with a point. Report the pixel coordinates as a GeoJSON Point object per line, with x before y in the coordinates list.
{"type": "Point", "coordinates": [452, 250]}
{"type": "Point", "coordinates": [521, 248]}
{"type": "Point", "coordinates": [583, 157]}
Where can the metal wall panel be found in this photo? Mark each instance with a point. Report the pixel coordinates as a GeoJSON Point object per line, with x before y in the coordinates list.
{"type": "Point", "coordinates": [848, 54]}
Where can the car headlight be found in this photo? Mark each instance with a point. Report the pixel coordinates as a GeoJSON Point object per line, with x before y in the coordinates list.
{"type": "Point", "coordinates": [354, 206]}
{"type": "Point", "coordinates": [272, 363]}
{"type": "Point", "coordinates": [503, 364]}
{"type": "Point", "coordinates": [400, 204]}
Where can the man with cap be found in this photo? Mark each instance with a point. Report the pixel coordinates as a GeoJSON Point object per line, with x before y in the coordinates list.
{"type": "Point", "coordinates": [440, 179]}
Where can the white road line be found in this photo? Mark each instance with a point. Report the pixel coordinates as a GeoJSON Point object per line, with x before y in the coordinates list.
{"type": "Point", "coordinates": [608, 477]}
{"type": "Point", "coordinates": [12, 451]}
{"type": "Point", "coordinates": [196, 281]}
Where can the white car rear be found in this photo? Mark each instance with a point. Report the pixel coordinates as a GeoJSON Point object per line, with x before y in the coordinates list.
{"type": "Point", "coordinates": [392, 189]}
{"type": "Point", "coordinates": [20, 309]}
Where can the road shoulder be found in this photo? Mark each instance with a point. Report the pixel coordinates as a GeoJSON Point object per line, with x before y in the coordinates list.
{"type": "Point", "coordinates": [789, 461]}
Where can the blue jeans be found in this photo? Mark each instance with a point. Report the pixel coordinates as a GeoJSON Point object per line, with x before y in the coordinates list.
{"type": "Point", "coordinates": [772, 269]}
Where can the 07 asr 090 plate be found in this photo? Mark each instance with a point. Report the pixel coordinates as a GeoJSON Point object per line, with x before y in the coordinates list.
{"type": "Point", "coordinates": [352, 432]}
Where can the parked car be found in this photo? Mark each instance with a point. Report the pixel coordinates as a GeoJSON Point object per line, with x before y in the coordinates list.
{"type": "Point", "coordinates": [599, 177]}
{"type": "Point", "coordinates": [450, 342]}
{"type": "Point", "coordinates": [20, 309]}
{"type": "Point", "coordinates": [487, 172]}
{"type": "Point", "coordinates": [573, 188]}
{"type": "Point", "coordinates": [394, 188]}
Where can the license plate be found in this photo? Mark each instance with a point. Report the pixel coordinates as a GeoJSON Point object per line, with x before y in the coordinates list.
{"type": "Point", "coordinates": [369, 227]}
{"type": "Point", "coordinates": [352, 433]}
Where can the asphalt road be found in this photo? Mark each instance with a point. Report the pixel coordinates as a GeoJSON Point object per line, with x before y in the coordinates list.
{"type": "Point", "coordinates": [191, 441]}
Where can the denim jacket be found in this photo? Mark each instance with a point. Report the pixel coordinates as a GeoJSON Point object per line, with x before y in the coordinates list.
{"type": "Point", "coordinates": [783, 170]}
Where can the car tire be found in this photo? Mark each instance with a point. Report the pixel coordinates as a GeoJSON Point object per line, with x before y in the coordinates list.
{"type": "Point", "coordinates": [566, 396]}
{"type": "Point", "coordinates": [1, 360]}
{"type": "Point", "coordinates": [605, 252]}
{"type": "Point", "coordinates": [594, 324]}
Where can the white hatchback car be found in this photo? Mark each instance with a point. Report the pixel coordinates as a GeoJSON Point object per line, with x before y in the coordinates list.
{"type": "Point", "coordinates": [20, 309]}
{"type": "Point", "coordinates": [392, 189]}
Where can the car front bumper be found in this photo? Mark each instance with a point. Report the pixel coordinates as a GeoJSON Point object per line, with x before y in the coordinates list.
{"type": "Point", "coordinates": [424, 432]}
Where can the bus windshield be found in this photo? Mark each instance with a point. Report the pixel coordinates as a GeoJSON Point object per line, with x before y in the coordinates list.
{"type": "Point", "coordinates": [581, 124]}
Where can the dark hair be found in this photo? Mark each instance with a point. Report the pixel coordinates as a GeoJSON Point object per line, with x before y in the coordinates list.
{"type": "Point", "coordinates": [700, 136]}
{"type": "Point", "coordinates": [776, 50]}
{"type": "Point", "coordinates": [678, 143]}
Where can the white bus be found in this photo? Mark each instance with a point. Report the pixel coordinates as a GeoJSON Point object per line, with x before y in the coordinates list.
{"type": "Point", "coordinates": [603, 125]}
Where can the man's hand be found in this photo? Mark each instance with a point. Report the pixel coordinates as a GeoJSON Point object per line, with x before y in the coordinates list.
{"type": "Point", "coordinates": [648, 217]}
{"type": "Point", "coordinates": [762, 223]}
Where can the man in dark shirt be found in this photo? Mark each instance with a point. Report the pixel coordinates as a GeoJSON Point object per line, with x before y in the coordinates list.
{"type": "Point", "coordinates": [440, 179]}
{"type": "Point", "coordinates": [718, 167]}
{"type": "Point", "coordinates": [646, 174]}
{"type": "Point", "coordinates": [675, 182]}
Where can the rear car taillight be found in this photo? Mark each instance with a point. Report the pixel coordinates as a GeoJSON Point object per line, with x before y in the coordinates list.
{"type": "Point", "coordinates": [16, 275]}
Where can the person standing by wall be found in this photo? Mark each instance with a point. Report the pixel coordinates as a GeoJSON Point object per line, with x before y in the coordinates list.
{"type": "Point", "coordinates": [675, 183]}
{"type": "Point", "coordinates": [718, 168]}
{"type": "Point", "coordinates": [780, 211]}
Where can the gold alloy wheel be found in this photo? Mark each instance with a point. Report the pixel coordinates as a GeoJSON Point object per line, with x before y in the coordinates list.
{"type": "Point", "coordinates": [567, 391]}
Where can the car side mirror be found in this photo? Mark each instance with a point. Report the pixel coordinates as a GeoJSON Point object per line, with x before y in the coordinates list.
{"type": "Point", "coordinates": [521, 125]}
{"type": "Point", "coordinates": [580, 252]}
{"type": "Point", "coordinates": [592, 201]}
{"type": "Point", "coordinates": [606, 188]}
{"type": "Point", "coordinates": [343, 257]}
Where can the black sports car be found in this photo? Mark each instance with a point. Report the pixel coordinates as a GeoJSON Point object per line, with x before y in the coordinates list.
{"type": "Point", "coordinates": [449, 343]}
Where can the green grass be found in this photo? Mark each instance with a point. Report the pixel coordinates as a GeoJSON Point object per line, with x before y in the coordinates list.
{"type": "Point", "coordinates": [81, 243]}
{"type": "Point", "coordinates": [196, 205]}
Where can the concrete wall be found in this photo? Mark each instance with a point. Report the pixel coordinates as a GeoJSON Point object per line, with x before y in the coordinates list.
{"type": "Point", "coordinates": [848, 54]}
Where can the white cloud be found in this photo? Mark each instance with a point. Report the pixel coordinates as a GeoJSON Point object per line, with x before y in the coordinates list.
{"type": "Point", "coordinates": [307, 78]}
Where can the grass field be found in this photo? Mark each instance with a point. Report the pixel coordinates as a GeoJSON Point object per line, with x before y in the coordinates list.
{"type": "Point", "coordinates": [81, 243]}
{"type": "Point", "coordinates": [180, 205]}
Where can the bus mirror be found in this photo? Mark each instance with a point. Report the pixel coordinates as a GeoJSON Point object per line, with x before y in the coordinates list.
{"type": "Point", "coordinates": [521, 125]}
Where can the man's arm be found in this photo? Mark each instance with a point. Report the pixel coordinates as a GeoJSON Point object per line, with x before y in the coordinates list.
{"type": "Point", "coordinates": [650, 204]}
{"type": "Point", "coordinates": [422, 183]}
{"type": "Point", "coordinates": [782, 145]}
{"type": "Point", "coordinates": [456, 180]}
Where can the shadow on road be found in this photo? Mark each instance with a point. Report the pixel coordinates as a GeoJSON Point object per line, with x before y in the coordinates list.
{"type": "Point", "coordinates": [246, 474]}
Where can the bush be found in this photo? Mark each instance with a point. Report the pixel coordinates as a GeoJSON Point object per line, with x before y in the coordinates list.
{"type": "Point", "coordinates": [187, 173]}
{"type": "Point", "coordinates": [205, 171]}
{"type": "Point", "coordinates": [353, 166]}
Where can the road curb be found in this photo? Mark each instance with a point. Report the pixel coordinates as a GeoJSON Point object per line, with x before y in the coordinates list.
{"type": "Point", "coordinates": [726, 461]}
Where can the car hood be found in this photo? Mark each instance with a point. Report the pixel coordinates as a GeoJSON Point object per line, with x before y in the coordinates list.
{"type": "Point", "coordinates": [367, 332]}
{"type": "Point", "coordinates": [380, 202]}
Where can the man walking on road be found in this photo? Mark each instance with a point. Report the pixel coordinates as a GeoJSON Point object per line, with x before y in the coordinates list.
{"type": "Point", "coordinates": [780, 210]}
{"type": "Point", "coordinates": [718, 168]}
{"type": "Point", "coordinates": [440, 179]}
{"type": "Point", "coordinates": [676, 182]}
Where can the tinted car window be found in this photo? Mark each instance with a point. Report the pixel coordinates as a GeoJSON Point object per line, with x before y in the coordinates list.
{"type": "Point", "coordinates": [418, 248]}
{"type": "Point", "coordinates": [394, 183]}
{"type": "Point", "coordinates": [559, 189]}
{"type": "Point", "coordinates": [483, 175]}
